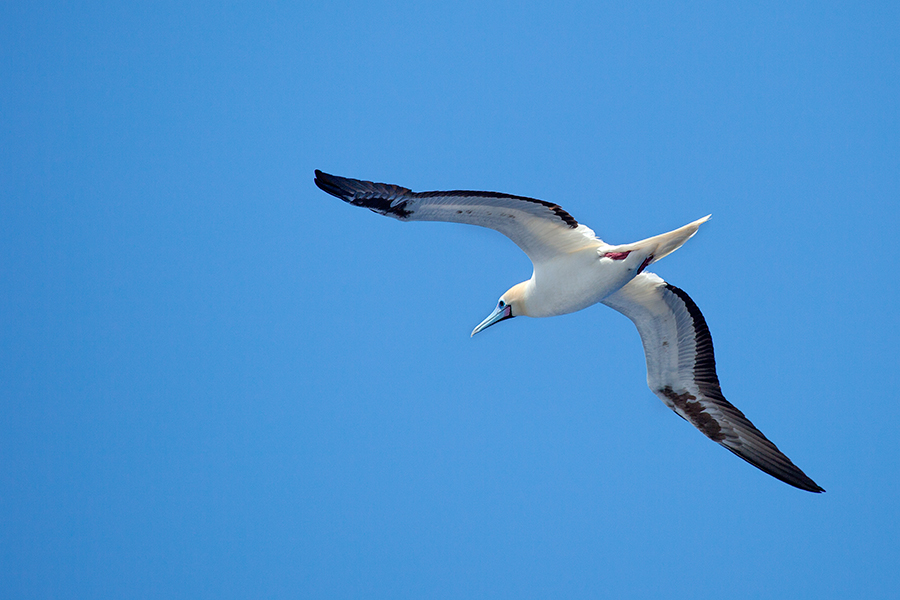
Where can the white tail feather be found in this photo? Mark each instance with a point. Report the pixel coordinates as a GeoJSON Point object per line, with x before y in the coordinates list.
{"type": "Point", "coordinates": [664, 244]}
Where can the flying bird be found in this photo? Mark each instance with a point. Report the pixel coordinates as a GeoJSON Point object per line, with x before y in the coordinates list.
{"type": "Point", "coordinates": [574, 269]}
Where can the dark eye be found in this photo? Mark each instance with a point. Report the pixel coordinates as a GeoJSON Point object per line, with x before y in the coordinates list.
{"type": "Point", "coordinates": [501, 304]}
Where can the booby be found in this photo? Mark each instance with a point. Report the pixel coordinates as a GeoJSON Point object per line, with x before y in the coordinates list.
{"type": "Point", "coordinates": [574, 269]}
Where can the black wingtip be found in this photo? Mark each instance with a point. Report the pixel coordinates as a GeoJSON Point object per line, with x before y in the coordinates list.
{"type": "Point", "coordinates": [330, 184]}
{"type": "Point", "coordinates": [807, 486]}
{"type": "Point", "coordinates": [810, 485]}
{"type": "Point", "coordinates": [814, 488]}
{"type": "Point", "coordinates": [383, 198]}
{"type": "Point", "coordinates": [787, 471]}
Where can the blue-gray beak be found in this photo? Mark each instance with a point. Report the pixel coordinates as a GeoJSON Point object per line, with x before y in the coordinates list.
{"type": "Point", "coordinates": [503, 311]}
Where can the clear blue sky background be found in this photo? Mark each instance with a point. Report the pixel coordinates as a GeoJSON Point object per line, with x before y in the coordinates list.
{"type": "Point", "coordinates": [219, 382]}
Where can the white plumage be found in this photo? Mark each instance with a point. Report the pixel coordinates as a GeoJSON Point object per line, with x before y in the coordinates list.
{"type": "Point", "coordinates": [574, 269]}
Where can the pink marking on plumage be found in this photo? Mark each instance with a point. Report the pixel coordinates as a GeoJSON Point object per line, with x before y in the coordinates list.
{"type": "Point", "coordinates": [617, 255]}
{"type": "Point", "coordinates": [644, 264]}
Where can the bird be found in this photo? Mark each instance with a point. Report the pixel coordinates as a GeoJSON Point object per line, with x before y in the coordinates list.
{"type": "Point", "coordinates": [574, 269]}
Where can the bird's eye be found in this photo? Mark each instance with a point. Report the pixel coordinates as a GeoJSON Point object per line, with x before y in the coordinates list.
{"type": "Point", "coordinates": [501, 304]}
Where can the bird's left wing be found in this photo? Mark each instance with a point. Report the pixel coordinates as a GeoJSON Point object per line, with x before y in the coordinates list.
{"type": "Point", "coordinates": [541, 229]}
{"type": "Point", "coordinates": [681, 370]}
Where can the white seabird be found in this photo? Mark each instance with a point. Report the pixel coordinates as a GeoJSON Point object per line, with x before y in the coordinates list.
{"type": "Point", "coordinates": [574, 269]}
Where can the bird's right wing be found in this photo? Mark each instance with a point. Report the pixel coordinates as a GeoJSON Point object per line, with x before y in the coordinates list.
{"type": "Point", "coordinates": [681, 370]}
{"type": "Point", "coordinates": [541, 229]}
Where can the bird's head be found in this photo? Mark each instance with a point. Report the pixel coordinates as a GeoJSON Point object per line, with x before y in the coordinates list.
{"type": "Point", "coordinates": [511, 304]}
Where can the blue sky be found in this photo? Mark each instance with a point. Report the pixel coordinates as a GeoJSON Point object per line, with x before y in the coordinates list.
{"type": "Point", "coordinates": [219, 382]}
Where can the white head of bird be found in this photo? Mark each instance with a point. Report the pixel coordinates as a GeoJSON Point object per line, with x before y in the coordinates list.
{"type": "Point", "coordinates": [511, 304]}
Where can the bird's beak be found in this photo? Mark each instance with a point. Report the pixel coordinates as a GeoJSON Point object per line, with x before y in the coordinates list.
{"type": "Point", "coordinates": [495, 317]}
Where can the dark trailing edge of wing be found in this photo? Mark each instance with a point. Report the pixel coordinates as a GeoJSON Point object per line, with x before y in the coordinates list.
{"type": "Point", "coordinates": [759, 452]}
{"type": "Point", "coordinates": [705, 362]}
{"type": "Point", "coordinates": [558, 210]}
{"type": "Point", "coordinates": [379, 196]}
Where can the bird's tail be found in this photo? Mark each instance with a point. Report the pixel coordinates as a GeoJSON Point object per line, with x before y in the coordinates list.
{"type": "Point", "coordinates": [666, 243]}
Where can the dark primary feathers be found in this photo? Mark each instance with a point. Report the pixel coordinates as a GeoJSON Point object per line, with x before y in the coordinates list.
{"type": "Point", "coordinates": [383, 198]}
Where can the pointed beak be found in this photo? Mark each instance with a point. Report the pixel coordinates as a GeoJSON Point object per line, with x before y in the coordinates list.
{"type": "Point", "coordinates": [495, 317]}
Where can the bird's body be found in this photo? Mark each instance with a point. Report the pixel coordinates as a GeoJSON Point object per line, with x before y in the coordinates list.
{"type": "Point", "coordinates": [572, 281]}
{"type": "Point", "coordinates": [573, 269]}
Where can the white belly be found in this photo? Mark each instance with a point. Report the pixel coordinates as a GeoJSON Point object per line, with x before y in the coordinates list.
{"type": "Point", "coordinates": [569, 283]}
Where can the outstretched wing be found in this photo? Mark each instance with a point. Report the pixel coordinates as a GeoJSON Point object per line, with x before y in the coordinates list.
{"type": "Point", "coordinates": [681, 369]}
{"type": "Point", "coordinates": [541, 229]}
